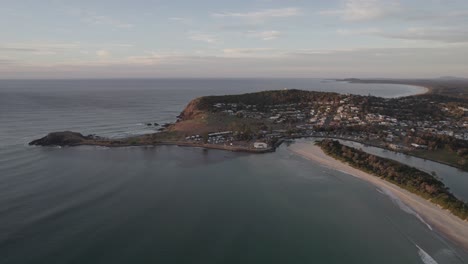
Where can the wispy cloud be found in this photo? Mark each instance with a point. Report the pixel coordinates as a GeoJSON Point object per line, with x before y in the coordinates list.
{"type": "Point", "coordinates": [93, 18]}
{"type": "Point", "coordinates": [106, 21]}
{"type": "Point", "coordinates": [103, 54]}
{"type": "Point", "coordinates": [437, 34]}
{"type": "Point", "coordinates": [182, 20]}
{"type": "Point", "coordinates": [363, 31]}
{"type": "Point", "coordinates": [203, 37]}
{"type": "Point", "coordinates": [265, 35]}
{"type": "Point", "coordinates": [6, 62]}
{"type": "Point", "coordinates": [261, 14]}
{"type": "Point", "coordinates": [415, 15]}
{"type": "Point", "coordinates": [368, 10]}
{"type": "Point", "coordinates": [38, 48]}
{"type": "Point", "coordinates": [362, 10]}
{"type": "Point", "coordinates": [258, 62]}
{"type": "Point", "coordinates": [440, 34]}
{"type": "Point", "coordinates": [250, 52]}
{"type": "Point", "coordinates": [54, 48]}
{"type": "Point", "coordinates": [158, 57]}
{"type": "Point", "coordinates": [177, 19]}
{"type": "Point", "coordinates": [14, 49]}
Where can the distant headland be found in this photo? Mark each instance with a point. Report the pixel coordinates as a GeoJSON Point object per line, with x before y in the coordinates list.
{"type": "Point", "coordinates": [447, 86]}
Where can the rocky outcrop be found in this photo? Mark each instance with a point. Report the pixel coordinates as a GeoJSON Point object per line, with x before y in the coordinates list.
{"type": "Point", "coordinates": [66, 138]}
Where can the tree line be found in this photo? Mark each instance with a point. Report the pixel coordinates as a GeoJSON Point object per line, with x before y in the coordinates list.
{"type": "Point", "coordinates": [406, 177]}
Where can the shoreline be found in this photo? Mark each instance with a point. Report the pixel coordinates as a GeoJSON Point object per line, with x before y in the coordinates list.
{"type": "Point", "coordinates": [244, 149]}
{"type": "Point", "coordinates": [175, 143]}
{"type": "Point", "coordinates": [443, 221]}
{"type": "Point", "coordinates": [427, 88]}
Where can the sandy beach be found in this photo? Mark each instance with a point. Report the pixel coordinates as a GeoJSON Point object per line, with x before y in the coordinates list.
{"type": "Point", "coordinates": [424, 90]}
{"type": "Point", "coordinates": [443, 221]}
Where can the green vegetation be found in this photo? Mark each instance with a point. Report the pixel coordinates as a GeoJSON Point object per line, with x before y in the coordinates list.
{"type": "Point", "coordinates": [406, 177]}
{"type": "Point", "coordinates": [267, 98]}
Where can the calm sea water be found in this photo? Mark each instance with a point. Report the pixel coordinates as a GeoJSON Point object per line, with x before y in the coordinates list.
{"type": "Point", "coordinates": [183, 205]}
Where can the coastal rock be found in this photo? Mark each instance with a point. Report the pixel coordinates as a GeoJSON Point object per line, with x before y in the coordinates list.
{"type": "Point", "coordinates": [65, 138]}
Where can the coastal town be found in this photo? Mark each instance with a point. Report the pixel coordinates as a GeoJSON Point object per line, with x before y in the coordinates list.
{"type": "Point", "coordinates": [404, 124]}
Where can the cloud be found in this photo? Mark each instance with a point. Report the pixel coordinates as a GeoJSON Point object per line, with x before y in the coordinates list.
{"type": "Point", "coordinates": [261, 14]}
{"type": "Point", "coordinates": [203, 37]}
{"type": "Point", "coordinates": [177, 19]}
{"type": "Point", "coordinates": [6, 62]}
{"type": "Point", "coordinates": [364, 31]}
{"type": "Point", "coordinates": [156, 57]}
{"type": "Point", "coordinates": [363, 10]}
{"type": "Point", "coordinates": [180, 19]}
{"type": "Point", "coordinates": [37, 48]}
{"type": "Point", "coordinates": [92, 18]}
{"type": "Point", "coordinates": [368, 10]}
{"type": "Point", "coordinates": [106, 21]}
{"type": "Point", "coordinates": [238, 27]}
{"type": "Point", "coordinates": [17, 49]}
{"type": "Point", "coordinates": [415, 15]}
{"type": "Point", "coordinates": [437, 34]}
{"type": "Point", "coordinates": [265, 35]}
{"type": "Point", "coordinates": [251, 52]}
{"type": "Point", "coordinates": [440, 34]}
{"type": "Point", "coordinates": [103, 54]}
{"type": "Point", "coordinates": [263, 62]}
{"type": "Point", "coordinates": [53, 48]}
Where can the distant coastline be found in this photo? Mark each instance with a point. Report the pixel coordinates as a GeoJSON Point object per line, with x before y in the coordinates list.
{"type": "Point", "coordinates": [452, 87]}
{"type": "Point", "coordinates": [426, 88]}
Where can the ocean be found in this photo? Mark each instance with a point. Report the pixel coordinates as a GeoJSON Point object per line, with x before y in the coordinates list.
{"type": "Point", "coordinates": [173, 204]}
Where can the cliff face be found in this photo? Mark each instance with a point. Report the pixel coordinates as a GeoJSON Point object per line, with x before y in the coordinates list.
{"type": "Point", "coordinates": [66, 138]}
{"type": "Point", "coordinates": [192, 110]}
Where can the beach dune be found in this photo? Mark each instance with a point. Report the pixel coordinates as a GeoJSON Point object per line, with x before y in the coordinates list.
{"type": "Point", "coordinates": [435, 217]}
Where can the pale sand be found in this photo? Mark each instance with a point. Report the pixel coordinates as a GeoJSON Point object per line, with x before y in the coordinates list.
{"type": "Point", "coordinates": [425, 90]}
{"type": "Point", "coordinates": [442, 220]}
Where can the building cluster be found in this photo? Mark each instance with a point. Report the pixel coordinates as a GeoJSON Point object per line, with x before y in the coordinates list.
{"type": "Point", "coordinates": [391, 121]}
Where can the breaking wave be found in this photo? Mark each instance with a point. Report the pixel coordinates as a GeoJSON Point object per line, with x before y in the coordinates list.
{"type": "Point", "coordinates": [426, 258]}
{"type": "Point", "coordinates": [403, 206]}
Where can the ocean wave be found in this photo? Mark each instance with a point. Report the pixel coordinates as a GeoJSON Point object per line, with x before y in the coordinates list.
{"type": "Point", "coordinates": [403, 206]}
{"type": "Point", "coordinates": [426, 258]}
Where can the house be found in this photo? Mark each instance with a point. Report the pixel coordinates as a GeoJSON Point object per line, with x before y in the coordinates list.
{"type": "Point", "coordinates": [418, 146]}
{"type": "Point", "coordinates": [260, 145]}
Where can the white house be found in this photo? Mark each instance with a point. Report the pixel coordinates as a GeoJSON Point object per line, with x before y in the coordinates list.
{"type": "Point", "coordinates": [260, 145]}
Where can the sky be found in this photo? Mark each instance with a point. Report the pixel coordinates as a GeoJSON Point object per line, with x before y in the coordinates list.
{"type": "Point", "coordinates": [234, 39]}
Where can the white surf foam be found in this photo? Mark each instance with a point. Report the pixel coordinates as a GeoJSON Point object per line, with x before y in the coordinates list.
{"type": "Point", "coordinates": [403, 206]}
{"type": "Point", "coordinates": [426, 258]}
